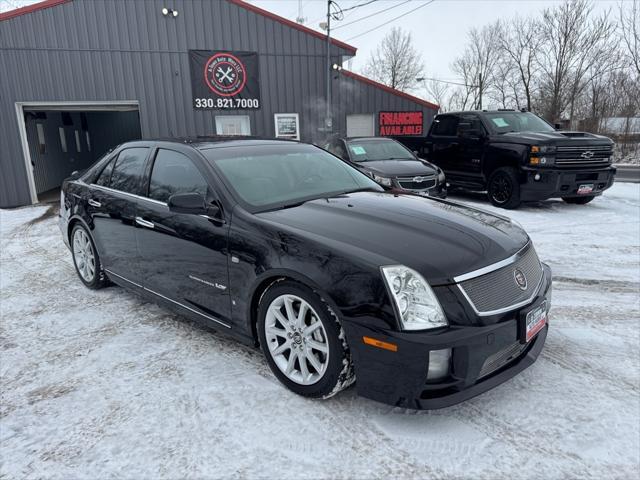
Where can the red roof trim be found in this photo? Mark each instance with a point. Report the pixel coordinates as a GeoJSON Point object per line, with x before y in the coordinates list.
{"type": "Point", "coordinates": [393, 91]}
{"type": "Point", "coordinates": [31, 8]}
{"type": "Point", "coordinates": [289, 23]}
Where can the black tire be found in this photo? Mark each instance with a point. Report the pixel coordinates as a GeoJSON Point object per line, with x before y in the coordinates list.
{"type": "Point", "coordinates": [98, 279]}
{"type": "Point", "coordinates": [338, 374]}
{"type": "Point", "coordinates": [578, 200]}
{"type": "Point", "coordinates": [503, 188]}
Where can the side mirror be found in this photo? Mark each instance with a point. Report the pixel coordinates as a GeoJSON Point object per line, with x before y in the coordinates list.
{"type": "Point", "coordinates": [189, 203]}
{"type": "Point", "coordinates": [557, 126]}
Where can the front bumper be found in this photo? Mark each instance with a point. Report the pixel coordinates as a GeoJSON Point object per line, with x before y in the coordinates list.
{"type": "Point", "coordinates": [399, 377]}
{"type": "Point", "coordinates": [560, 182]}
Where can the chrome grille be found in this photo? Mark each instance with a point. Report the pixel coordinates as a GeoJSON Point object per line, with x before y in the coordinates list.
{"type": "Point", "coordinates": [572, 156]}
{"type": "Point", "coordinates": [409, 183]}
{"type": "Point", "coordinates": [501, 358]}
{"type": "Point", "coordinates": [498, 290]}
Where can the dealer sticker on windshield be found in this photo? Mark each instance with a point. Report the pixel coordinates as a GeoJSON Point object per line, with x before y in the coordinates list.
{"type": "Point", "coordinates": [535, 321]}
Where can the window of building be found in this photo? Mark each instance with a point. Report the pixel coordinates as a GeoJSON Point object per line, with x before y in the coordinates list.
{"type": "Point", "coordinates": [88, 138]}
{"type": "Point", "coordinates": [233, 125]}
{"type": "Point", "coordinates": [63, 139]}
{"type": "Point", "coordinates": [175, 173]}
{"type": "Point", "coordinates": [78, 146]}
{"type": "Point", "coordinates": [127, 169]}
{"type": "Point", "coordinates": [42, 146]}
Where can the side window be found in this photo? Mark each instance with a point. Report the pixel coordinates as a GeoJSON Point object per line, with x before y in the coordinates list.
{"type": "Point", "coordinates": [174, 173]}
{"type": "Point", "coordinates": [471, 122]}
{"type": "Point", "coordinates": [446, 125]}
{"type": "Point", "coordinates": [105, 176]}
{"type": "Point", "coordinates": [340, 150]}
{"type": "Point", "coordinates": [127, 169]}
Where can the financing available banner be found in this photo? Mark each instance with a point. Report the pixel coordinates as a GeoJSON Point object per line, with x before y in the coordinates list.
{"type": "Point", "coordinates": [224, 80]}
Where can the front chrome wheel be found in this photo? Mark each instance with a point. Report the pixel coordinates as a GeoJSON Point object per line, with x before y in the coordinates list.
{"type": "Point", "coordinates": [84, 255]}
{"type": "Point", "coordinates": [296, 339]}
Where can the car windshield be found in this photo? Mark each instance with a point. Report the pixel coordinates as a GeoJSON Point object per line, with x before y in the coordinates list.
{"type": "Point", "coordinates": [377, 149]}
{"type": "Point", "coordinates": [276, 176]}
{"type": "Point", "coordinates": [505, 122]}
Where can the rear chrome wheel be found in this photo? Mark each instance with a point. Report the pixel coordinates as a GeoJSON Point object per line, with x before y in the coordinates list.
{"type": "Point", "coordinates": [83, 255]}
{"type": "Point", "coordinates": [85, 258]}
{"type": "Point", "coordinates": [296, 339]}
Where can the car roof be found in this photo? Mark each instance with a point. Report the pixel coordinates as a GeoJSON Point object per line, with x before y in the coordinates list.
{"type": "Point", "coordinates": [348, 139]}
{"type": "Point", "coordinates": [217, 141]}
{"type": "Point", "coordinates": [461, 112]}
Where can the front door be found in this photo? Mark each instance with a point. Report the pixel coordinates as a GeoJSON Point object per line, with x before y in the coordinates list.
{"type": "Point", "coordinates": [471, 147]}
{"type": "Point", "coordinates": [111, 203]}
{"type": "Point", "coordinates": [183, 258]}
{"type": "Point", "coordinates": [445, 144]}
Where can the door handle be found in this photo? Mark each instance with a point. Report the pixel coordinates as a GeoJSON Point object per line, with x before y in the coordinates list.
{"type": "Point", "coordinates": [94, 203]}
{"type": "Point", "coordinates": [144, 223]}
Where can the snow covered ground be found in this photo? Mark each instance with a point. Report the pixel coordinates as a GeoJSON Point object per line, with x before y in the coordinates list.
{"type": "Point", "coordinates": [103, 384]}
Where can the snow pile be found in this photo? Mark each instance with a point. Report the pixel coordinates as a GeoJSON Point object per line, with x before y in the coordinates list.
{"type": "Point", "coordinates": [102, 384]}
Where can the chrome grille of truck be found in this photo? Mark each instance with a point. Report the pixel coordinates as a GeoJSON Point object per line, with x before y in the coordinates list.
{"type": "Point", "coordinates": [575, 156]}
{"type": "Point", "coordinates": [501, 358]}
{"type": "Point", "coordinates": [498, 290]}
{"type": "Point", "coordinates": [409, 183]}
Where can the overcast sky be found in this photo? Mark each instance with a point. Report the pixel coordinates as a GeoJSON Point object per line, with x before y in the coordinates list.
{"type": "Point", "coordinates": [438, 28]}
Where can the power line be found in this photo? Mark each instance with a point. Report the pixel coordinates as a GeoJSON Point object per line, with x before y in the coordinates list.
{"type": "Point", "coordinates": [372, 14]}
{"type": "Point", "coordinates": [390, 21]}
{"type": "Point", "coordinates": [359, 5]}
{"type": "Point", "coordinates": [422, 79]}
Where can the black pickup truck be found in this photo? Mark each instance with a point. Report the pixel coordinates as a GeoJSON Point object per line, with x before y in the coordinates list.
{"type": "Point", "coordinates": [517, 156]}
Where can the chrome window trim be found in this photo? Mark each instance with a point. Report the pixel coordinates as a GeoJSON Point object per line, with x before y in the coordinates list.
{"type": "Point", "coordinates": [112, 190]}
{"type": "Point", "coordinates": [495, 266]}
{"type": "Point", "coordinates": [169, 299]}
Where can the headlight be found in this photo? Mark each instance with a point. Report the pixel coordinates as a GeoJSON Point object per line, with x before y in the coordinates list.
{"type": "Point", "coordinates": [417, 305]}
{"type": "Point", "coordinates": [382, 180]}
{"type": "Point", "coordinates": [543, 155]}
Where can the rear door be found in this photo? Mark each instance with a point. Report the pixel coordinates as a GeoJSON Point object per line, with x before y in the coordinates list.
{"type": "Point", "coordinates": [445, 146]}
{"type": "Point", "coordinates": [112, 205]}
{"type": "Point", "coordinates": [183, 257]}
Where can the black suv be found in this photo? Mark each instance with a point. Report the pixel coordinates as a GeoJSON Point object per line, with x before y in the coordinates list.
{"type": "Point", "coordinates": [390, 164]}
{"type": "Point", "coordinates": [517, 156]}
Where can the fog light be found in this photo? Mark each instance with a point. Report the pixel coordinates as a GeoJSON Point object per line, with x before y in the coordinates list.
{"type": "Point", "coordinates": [536, 177]}
{"type": "Point", "coordinates": [439, 364]}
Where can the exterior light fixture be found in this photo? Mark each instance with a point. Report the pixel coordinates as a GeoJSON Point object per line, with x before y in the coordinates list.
{"type": "Point", "coordinates": [169, 12]}
{"type": "Point", "coordinates": [337, 67]}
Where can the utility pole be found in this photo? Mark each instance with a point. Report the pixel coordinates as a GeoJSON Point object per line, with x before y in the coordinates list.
{"type": "Point", "coordinates": [480, 87]}
{"type": "Point", "coordinates": [328, 122]}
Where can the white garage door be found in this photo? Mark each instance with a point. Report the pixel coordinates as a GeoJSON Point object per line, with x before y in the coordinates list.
{"type": "Point", "coordinates": [361, 125]}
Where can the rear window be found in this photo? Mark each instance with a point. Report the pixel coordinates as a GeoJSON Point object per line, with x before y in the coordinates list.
{"type": "Point", "coordinates": [127, 170]}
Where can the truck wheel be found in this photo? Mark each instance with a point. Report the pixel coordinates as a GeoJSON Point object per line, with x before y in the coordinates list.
{"type": "Point", "coordinates": [503, 188]}
{"type": "Point", "coordinates": [578, 200]}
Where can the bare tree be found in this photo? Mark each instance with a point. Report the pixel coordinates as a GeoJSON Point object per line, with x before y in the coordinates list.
{"type": "Point", "coordinates": [395, 62]}
{"type": "Point", "coordinates": [629, 20]}
{"type": "Point", "coordinates": [438, 92]}
{"type": "Point", "coordinates": [519, 41]}
{"type": "Point", "coordinates": [477, 65]}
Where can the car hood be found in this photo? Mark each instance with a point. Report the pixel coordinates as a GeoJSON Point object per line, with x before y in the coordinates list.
{"type": "Point", "coordinates": [563, 138]}
{"type": "Point", "coordinates": [398, 168]}
{"type": "Point", "coordinates": [439, 239]}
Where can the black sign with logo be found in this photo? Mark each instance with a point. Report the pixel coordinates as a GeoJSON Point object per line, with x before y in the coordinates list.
{"type": "Point", "coordinates": [223, 80]}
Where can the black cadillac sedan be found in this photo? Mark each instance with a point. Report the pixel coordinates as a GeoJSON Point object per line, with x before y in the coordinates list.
{"type": "Point", "coordinates": [280, 244]}
{"type": "Point", "coordinates": [390, 164]}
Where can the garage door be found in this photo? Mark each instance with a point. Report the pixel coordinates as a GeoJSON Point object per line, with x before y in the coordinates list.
{"type": "Point", "coordinates": [360, 125]}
